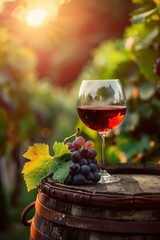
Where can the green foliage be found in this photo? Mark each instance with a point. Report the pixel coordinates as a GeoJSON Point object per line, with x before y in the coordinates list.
{"type": "Point", "coordinates": [131, 59]}
{"type": "Point", "coordinates": [26, 105]}
{"type": "Point", "coordinates": [31, 109]}
{"type": "Point", "coordinates": [42, 164]}
{"type": "Point", "coordinates": [62, 170]}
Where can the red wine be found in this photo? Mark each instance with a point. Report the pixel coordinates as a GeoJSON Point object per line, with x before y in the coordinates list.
{"type": "Point", "coordinates": [102, 118]}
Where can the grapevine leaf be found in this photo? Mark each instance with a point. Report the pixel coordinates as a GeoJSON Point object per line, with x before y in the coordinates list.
{"type": "Point", "coordinates": [39, 166]}
{"type": "Point", "coordinates": [35, 172]}
{"type": "Point", "coordinates": [41, 163]}
{"type": "Point", "coordinates": [62, 163]}
{"type": "Point", "coordinates": [62, 171]}
{"type": "Point", "coordinates": [37, 152]}
{"type": "Point", "coordinates": [60, 148]}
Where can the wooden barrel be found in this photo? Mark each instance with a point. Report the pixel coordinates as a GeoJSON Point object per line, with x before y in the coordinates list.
{"type": "Point", "coordinates": [129, 209]}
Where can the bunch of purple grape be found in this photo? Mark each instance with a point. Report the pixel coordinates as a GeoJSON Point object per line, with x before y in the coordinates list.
{"type": "Point", "coordinates": [85, 167]}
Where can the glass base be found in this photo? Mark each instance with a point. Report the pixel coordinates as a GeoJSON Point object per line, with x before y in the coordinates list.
{"type": "Point", "coordinates": [107, 178]}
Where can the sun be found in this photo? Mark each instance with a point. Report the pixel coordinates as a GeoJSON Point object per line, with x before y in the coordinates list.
{"type": "Point", "coordinates": [38, 23]}
{"type": "Point", "coordinates": [41, 13]}
{"type": "Point", "coordinates": [36, 17]}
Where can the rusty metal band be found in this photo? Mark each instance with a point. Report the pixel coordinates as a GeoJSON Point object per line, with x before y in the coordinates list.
{"type": "Point", "coordinates": [35, 234]}
{"type": "Point", "coordinates": [101, 225]}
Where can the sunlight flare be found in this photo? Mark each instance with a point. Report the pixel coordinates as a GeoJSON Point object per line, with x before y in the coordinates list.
{"type": "Point", "coordinates": [36, 17]}
{"type": "Point", "coordinates": [40, 13]}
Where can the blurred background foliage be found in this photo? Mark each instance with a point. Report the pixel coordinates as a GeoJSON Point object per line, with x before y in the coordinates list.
{"type": "Point", "coordinates": [135, 60]}
{"type": "Point", "coordinates": [40, 73]}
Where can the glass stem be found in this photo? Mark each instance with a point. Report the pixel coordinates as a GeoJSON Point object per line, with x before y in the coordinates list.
{"type": "Point", "coordinates": [103, 162]}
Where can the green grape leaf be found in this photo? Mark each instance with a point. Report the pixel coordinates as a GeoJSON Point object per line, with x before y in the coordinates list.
{"type": "Point", "coordinates": [62, 170]}
{"type": "Point", "coordinates": [60, 148]}
{"type": "Point", "coordinates": [41, 163]}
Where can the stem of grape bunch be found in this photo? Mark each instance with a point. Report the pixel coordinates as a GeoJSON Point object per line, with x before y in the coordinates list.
{"type": "Point", "coordinates": [73, 135]}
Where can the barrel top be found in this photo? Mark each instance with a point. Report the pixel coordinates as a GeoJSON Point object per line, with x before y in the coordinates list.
{"type": "Point", "coordinates": [135, 179]}
{"type": "Point", "coordinates": [130, 184]}
{"type": "Point", "coordinates": [140, 190]}
{"type": "Point", "coordinates": [135, 187]}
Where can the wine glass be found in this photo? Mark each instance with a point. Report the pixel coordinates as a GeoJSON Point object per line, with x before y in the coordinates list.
{"type": "Point", "coordinates": [101, 106]}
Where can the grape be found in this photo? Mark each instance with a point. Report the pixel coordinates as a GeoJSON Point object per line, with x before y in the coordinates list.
{"type": "Point", "coordinates": [91, 153]}
{"type": "Point", "coordinates": [76, 145]}
{"type": "Point", "coordinates": [94, 153]}
{"type": "Point", "coordinates": [85, 169]}
{"type": "Point", "coordinates": [76, 156]}
{"type": "Point", "coordinates": [70, 145]}
{"type": "Point", "coordinates": [84, 152]}
{"type": "Point", "coordinates": [72, 150]}
{"type": "Point", "coordinates": [89, 176]}
{"type": "Point", "coordinates": [74, 168]}
{"type": "Point", "coordinates": [89, 145]}
{"type": "Point", "coordinates": [92, 167]}
{"type": "Point", "coordinates": [69, 179]}
{"type": "Point", "coordinates": [79, 142]}
{"type": "Point", "coordinates": [83, 161]}
{"type": "Point", "coordinates": [96, 176]}
{"type": "Point", "coordinates": [79, 179]}
{"type": "Point", "coordinates": [89, 161]}
{"type": "Point", "coordinates": [94, 161]}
